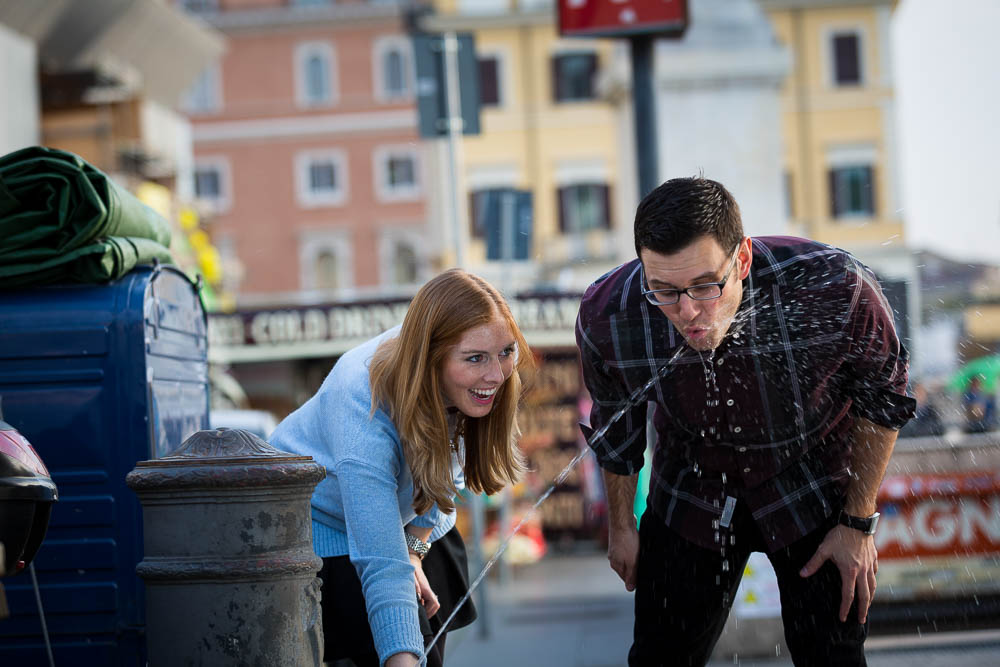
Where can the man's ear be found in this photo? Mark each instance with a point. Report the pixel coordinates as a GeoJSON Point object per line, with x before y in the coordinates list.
{"type": "Point", "coordinates": [745, 257]}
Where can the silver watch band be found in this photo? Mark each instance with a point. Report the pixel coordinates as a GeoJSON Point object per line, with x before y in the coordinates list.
{"type": "Point", "coordinates": [417, 545]}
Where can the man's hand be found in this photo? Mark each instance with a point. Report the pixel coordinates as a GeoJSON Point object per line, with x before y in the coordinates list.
{"type": "Point", "coordinates": [425, 596]}
{"type": "Point", "coordinates": [623, 538]}
{"type": "Point", "coordinates": [623, 553]}
{"type": "Point", "coordinates": [854, 554]}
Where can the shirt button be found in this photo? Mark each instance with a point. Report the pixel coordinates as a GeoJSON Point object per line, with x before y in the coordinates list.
{"type": "Point", "coordinates": [729, 402]}
{"type": "Point", "coordinates": [719, 362]}
{"type": "Point", "coordinates": [743, 449]}
{"type": "Point", "coordinates": [746, 470]}
{"type": "Point", "coordinates": [737, 429]}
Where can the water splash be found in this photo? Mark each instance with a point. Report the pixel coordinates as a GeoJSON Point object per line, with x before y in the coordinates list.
{"type": "Point", "coordinates": [627, 404]}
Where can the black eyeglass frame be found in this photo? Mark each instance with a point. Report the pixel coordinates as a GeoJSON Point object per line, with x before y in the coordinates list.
{"type": "Point", "coordinates": [650, 293]}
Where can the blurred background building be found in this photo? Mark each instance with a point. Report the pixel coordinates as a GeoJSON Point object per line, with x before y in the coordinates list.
{"type": "Point", "coordinates": [282, 138]}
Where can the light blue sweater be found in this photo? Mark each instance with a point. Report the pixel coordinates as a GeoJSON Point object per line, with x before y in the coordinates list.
{"type": "Point", "coordinates": [361, 507]}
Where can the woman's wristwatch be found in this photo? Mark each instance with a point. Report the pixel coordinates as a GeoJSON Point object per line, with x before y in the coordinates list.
{"type": "Point", "coordinates": [417, 545]}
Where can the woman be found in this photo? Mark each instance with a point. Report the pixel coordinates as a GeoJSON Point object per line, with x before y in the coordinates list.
{"type": "Point", "coordinates": [401, 423]}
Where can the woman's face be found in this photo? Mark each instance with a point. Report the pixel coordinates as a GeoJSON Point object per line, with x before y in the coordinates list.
{"type": "Point", "coordinates": [476, 366]}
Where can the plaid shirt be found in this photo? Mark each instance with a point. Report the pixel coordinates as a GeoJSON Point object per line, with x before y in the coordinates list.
{"type": "Point", "coordinates": [766, 417]}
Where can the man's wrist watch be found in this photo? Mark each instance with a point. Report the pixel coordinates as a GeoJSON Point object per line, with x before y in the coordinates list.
{"type": "Point", "coordinates": [865, 524]}
{"type": "Point", "coordinates": [417, 546]}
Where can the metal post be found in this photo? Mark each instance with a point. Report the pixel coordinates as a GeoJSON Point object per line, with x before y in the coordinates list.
{"type": "Point", "coordinates": [453, 113]}
{"type": "Point", "coordinates": [644, 109]}
{"type": "Point", "coordinates": [508, 208]}
{"type": "Point", "coordinates": [478, 562]}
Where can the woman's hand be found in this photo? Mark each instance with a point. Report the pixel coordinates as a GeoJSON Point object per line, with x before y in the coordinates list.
{"type": "Point", "coordinates": [425, 596]}
{"type": "Point", "coordinates": [401, 660]}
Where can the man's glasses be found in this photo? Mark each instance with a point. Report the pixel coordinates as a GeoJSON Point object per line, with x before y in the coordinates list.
{"type": "Point", "coordinates": [703, 292]}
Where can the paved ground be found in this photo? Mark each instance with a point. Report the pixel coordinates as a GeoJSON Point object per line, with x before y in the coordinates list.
{"type": "Point", "coordinates": [572, 611]}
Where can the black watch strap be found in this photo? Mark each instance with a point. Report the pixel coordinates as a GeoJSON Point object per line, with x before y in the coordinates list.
{"type": "Point", "coordinates": [865, 524]}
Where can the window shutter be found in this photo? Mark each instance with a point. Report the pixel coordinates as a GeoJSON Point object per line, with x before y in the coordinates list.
{"type": "Point", "coordinates": [834, 208]}
{"type": "Point", "coordinates": [591, 76]}
{"type": "Point", "coordinates": [847, 59]}
{"type": "Point", "coordinates": [475, 225]}
{"type": "Point", "coordinates": [870, 173]}
{"type": "Point", "coordinates": [605, 191]}
{"type": "Point", "coordinates": [489, 82]}
{"type": "Point", "coordinates": [557, 82]}
{"type": "Point", "coordinates": [561, 194]}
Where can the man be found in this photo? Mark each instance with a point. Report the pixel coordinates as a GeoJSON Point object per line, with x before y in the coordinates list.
{"type": "Point", "coordinates": [779, 393]}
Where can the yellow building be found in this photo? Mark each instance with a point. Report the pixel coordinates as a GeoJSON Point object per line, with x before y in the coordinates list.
{"type": "Point", "coordinates": [838, 124]}
{"type": "Point", "coordinates": [550, 128]}
{"type": "Point", "coordinates": [547, 130]}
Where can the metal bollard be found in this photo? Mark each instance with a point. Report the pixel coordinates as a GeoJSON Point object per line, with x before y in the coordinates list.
{"type": "Point", "coordinates": [228, 564]}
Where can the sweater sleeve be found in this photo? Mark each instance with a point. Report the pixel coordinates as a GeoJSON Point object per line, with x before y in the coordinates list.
{"type": "Point", "coordinates": [378, 551]}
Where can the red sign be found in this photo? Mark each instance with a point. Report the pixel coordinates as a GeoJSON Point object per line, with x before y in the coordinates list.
{"type": "Point", "coordinates": [619, 18]}
{"type": "Point", "coordinates": [956, 514]}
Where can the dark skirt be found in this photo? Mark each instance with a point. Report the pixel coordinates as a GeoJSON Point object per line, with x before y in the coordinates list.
{"type": "Point", "coordinates": [345, 618]}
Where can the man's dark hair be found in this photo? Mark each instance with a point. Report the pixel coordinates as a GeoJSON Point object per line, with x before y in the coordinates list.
{"type": "Point", "coordinates": [682, 210]}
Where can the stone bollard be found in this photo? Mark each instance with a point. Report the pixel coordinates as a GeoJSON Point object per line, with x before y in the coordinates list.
{"type": "Point", "coordinates": [228, 564]}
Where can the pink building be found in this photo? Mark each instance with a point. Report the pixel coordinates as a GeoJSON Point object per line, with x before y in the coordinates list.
{"type": "Point", "coordinates": [306, 149]}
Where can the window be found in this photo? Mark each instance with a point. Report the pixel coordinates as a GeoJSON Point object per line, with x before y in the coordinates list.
{"type": "Point", "coordinates": [404, 264]}
{"type": "Point", "coordinates": [211, 182]}
{"type": "Point", "coordinates": [401, 171]}
{"type": "Point", "coordinates": [401, 252]}
{"type": "Point", "coordinates": [393, 63]}
{"type": "Point", "coordinates": [326, 270]}
{"type": "Point", "coordinates": [315, 74]}
{"type": "Point", "coordinates": [573, 76]}
{"type": "Point", "coordinates": [397, 173]}
{"type": "Point", "coordinates": [325, 261]}
{"type": "Point", "coordinates": [503, 218]}
{"type": "Point", "coordinates": [321, 178]}
{"type": "Point", "coordinates": [852, 191]}
{"type": "Point", "coordinates": [846, 52]}
{"type": "Point", "coordinates": [205, 95]}
{"type": "Point", "coordinates": [489, 81]}
{"type": "Point", "coordinates": [583, 207]}
{"type": "Point", "coordinates": [207, 183]}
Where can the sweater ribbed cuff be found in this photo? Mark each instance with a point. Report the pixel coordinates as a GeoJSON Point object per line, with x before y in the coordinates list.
{"type": "Point", "coordinates": [396, 630]}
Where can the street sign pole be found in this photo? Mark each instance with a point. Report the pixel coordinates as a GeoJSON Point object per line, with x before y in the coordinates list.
{"type": "Point", "coordinates": [453, 116]}
{"type": "Point", "coordinates": [644, 113]}
{"type": "Point", "coordinates": [641, 23]}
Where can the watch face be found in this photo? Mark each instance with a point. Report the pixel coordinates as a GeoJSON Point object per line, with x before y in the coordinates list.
{"type": "Point", "coordinates": [872, 522]}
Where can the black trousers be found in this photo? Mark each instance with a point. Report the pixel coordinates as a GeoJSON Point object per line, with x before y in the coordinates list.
{"type": "Point", "coordinates": [684, 594]}
{"type": "Point", "coordinates": [347, 636]}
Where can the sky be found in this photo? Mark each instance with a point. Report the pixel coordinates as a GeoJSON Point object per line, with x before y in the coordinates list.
{"type": "Point", "coordinates": [946, 57]}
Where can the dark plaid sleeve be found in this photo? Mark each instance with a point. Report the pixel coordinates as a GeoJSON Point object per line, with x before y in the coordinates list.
{"type": "Point", "coordinates": [619, 450]}
{"type": "Point", "coordinates": [878, 361]}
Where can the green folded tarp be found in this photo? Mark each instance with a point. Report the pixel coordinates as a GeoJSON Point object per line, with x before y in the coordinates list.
{"type": "Point", "coordinates": [98, 262]}
{"type": "Point", "coordinates": [63, 220]}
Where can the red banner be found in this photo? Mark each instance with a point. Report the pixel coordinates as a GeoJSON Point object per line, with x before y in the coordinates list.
{"type": "Point", "coordinates": [955, 514]}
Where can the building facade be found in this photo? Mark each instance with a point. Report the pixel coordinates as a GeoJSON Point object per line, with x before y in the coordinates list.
{"type": "Point", "coordinates": [306, 151]}
{"type": "Point", "coordinates": [841, 171]}
{"type": "Point", "coordinates": [553, 147]}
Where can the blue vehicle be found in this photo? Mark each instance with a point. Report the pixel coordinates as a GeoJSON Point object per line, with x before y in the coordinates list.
{"type": "Point", "coordinates": [97, 378]}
